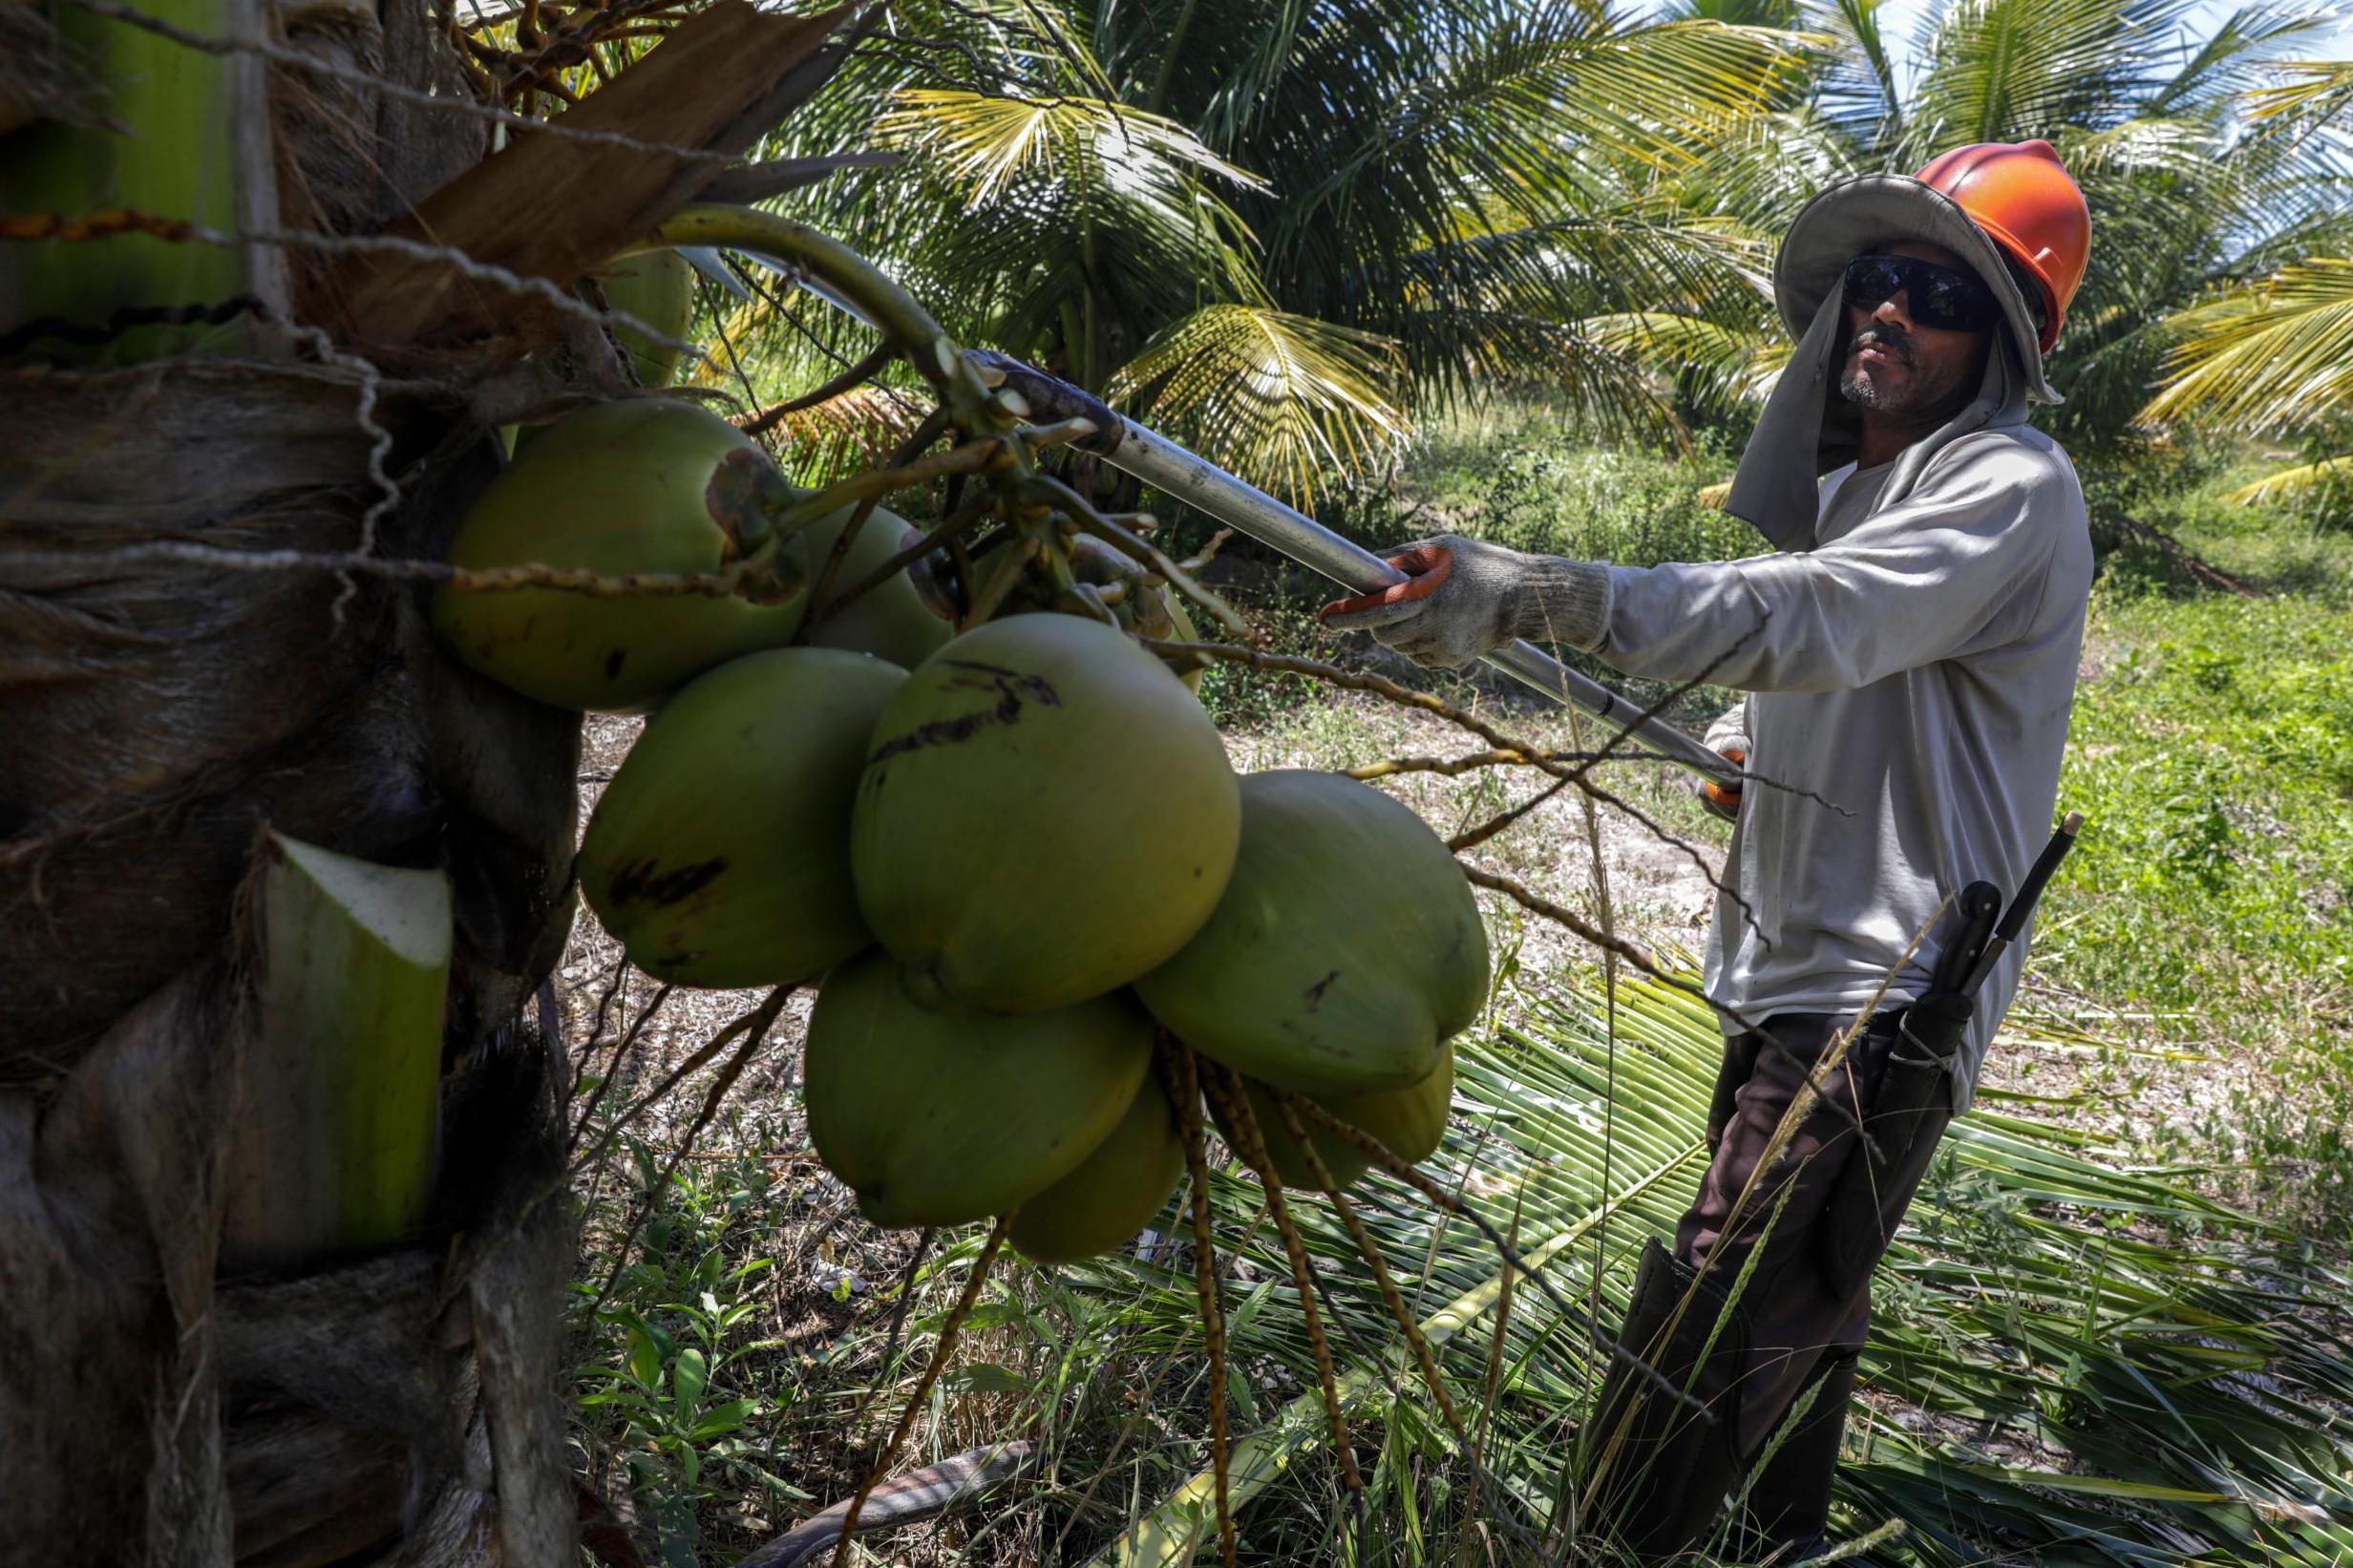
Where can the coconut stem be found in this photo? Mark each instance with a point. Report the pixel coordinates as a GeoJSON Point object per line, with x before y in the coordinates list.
{"type": "Point", "coordinates": [1083, 513]}
{"type": "Point", "coordinates": [1389, 1295]}
{"type": "Point", "coordinates": [849, 380]}
{"type": "Point", "coordinates": [719, 1090]}
{"type": "Point", "coordinates": [1358, 681]}
{"type": "Point", "coordinates": [912, 448]}
{"type": "Point", "coordinates": [1181, 1076]}
{"type": "Point", "coordinates": [899, 1317]}
{"type": "Point", "coordinates": [978, 457]}
{"type": "Point", "coordinates": [961, 519]}
{"type": "Point", "coordinates": [1002, 579]}
{"type": "Point", "coordinates": [1225, 1087]}
{"type": "Point", "coordinates": [868, 289]}
{"type": "Point", "coordinates": [1453, 766]}
{"type": "Point", "coordinates": [940, 1354]}
{"type": "Point", "coordinates": [1536, 904]}
{"type": "Point", "coordinates": [620, 1051]}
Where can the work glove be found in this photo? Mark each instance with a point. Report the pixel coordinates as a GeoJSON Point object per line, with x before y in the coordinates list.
{"type": "Point", "coordinates": [1727, 737]}
{"type": "Point", "coordinates": [1462, 598]}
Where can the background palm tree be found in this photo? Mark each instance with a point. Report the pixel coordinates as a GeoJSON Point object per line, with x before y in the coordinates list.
{"type": "Point", "coordinates": [1274, 229]}
{"type": "Point", "coordinates": [2187, 192]}
{"type": "Point", "coordinates": [2274, 353]}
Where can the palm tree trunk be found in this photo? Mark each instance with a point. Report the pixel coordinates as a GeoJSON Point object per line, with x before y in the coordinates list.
{"type": "Point", "coordinates": [384, 1404]}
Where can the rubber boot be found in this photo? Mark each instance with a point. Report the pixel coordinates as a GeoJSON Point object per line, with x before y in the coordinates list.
{"type": "Point", "coordinates": [1654, 1473]}
{"type": "Point", "coordinates": [1788, 1500]}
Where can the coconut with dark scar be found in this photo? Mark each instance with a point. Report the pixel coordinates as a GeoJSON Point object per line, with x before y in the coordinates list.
{"type": "Point", "coordinates": [1046, 814]}
{"type": "Point", "coordinates": [719, 853]}
{"type": "Point", "coordinates": [1295, 980]}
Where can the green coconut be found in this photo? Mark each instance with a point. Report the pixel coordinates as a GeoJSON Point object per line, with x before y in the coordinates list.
{"type": "Point", "coordinates": [1114, 1193]}
{"type": "Point", "coordinates": [642, 485]}
{"type": "Point", "coordinates": [656, 287]}
{"type": "Point", "coordinates": [1046, 815]}
{"type": "Point", "coordinates": [1345, 949]}
{"type": "Point", "coordinates": [1408, 1122]}
{"type": "Point", "coordinates": [719, 855]}
{"type": "Point", "coordinates": [938, 1118]}
{"type": "Point", "coordinates": [890, 620]}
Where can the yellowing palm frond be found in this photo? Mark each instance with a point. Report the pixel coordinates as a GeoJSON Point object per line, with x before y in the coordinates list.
{"type": "Point", "coordinates": [2322, 89]}
{"type": "Point", "coordinates": [2307, 480]}
{"type": "Point", "coordinates": [1279, 399]}
{"type": "Point", "coordinates": [2275, 356]}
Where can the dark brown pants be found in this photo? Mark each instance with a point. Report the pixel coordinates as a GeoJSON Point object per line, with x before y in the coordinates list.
{"type": "Point", "coordinates": [1769, 1221]}
{"type": "Point", "coordinates": [1789, 1225]}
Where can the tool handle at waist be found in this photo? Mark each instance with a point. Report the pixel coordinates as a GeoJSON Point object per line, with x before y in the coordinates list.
{"type": "Point", "coordinates": [1977, 906]}
{"type": "Point", "coordinates": [2038, 877]}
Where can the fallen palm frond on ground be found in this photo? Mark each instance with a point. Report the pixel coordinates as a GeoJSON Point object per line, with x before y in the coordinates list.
{"type": "Point", "coordinates": [2071, 1361]}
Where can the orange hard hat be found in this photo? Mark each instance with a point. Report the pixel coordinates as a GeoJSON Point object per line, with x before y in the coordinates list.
{"type": "Point", "coordinates": [2022, 197]}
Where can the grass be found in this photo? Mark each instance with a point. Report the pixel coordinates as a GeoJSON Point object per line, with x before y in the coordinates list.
{"type": "Point", "coordinates": [2212, 750]}
{"type": "Point", "coordinates": [2116, 1330]}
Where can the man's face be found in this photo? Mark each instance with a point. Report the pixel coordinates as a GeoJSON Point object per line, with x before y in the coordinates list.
{"type": "Point", "coordinates": [1897, 366]}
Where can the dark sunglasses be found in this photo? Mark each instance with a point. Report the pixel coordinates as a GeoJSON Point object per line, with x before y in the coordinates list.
{"type": "Point", "coordinates": [1938, 295]}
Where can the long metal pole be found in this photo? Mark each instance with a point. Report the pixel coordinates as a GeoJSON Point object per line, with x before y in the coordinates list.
{"type": "Point", "coordinates": [1157, 460]}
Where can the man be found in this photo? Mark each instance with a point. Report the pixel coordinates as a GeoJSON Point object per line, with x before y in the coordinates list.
{"type": "Point", "coordinates": [1910, 654]}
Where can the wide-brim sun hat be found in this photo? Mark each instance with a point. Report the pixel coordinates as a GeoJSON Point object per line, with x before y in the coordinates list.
{"type": "Point", "coordinates": [1858, 215]}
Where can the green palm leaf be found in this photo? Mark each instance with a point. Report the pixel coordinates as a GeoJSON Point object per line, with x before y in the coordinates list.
{"type": "Point", "coordinates": [2277, 355]}
{"type": "Point", "coordinates": [982, 143]}
{"type": "Point", "coordinates": [1272, 395]}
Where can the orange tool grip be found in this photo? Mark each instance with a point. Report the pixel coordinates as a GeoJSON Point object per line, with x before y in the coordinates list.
{"type": "Point", "coordinates": [1720, 796]}
{"type": "Point", "coordinates": [1426, 568]}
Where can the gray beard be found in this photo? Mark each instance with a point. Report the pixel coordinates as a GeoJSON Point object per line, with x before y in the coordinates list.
{"type": "Point", "coordinates": [1858, 388]}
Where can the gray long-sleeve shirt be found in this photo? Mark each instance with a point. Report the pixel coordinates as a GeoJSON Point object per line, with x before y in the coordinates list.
{"type": "Point", "coordinates": [1916, 669]}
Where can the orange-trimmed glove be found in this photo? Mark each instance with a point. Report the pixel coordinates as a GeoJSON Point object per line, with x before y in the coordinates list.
{"type": "Point", "coordinates": [1727, 737]}
{"type": "Point", "coordinates": [1463, 599]}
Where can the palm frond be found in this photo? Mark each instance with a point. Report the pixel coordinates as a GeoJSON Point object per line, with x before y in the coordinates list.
{"type": "Point", "coordinates": [2277, 355]}
{"type": "Point", "coordinates": [2328, 477]}
{"type": "Point", "coordinates": [2237, 52]}
{"type": "Point", "coordinates": [1278, 398]}
{"type": "Point", "coordinates": [1860, 91]}
{"type": "Point", "coordinates": [1730, 365]}
{"type": "Point", "coordinates": [2005, 70]}
{"type": "Point", "coordinates": [2076, 1358]}
{"type": "Point", "coordinates": [860, 428]}
{"type": "Point", "coordinates": [2319, 90]}
{"type": "Point", "coordinates": [982, 143]}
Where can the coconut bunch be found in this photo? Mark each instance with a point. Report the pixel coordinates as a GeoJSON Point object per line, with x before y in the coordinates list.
{"type": "Point", "coordinates": [1014, 859]}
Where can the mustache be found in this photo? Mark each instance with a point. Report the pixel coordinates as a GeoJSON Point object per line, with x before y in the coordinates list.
{"type": "Point", "coordinates": [1878, 337]}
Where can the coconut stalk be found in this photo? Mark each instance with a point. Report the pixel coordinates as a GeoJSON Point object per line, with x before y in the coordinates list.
{"type": "Point", "coordinates": [335, 1152]}
{"type": "Point", "coordinates": [177, 132]}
